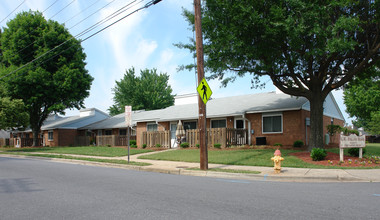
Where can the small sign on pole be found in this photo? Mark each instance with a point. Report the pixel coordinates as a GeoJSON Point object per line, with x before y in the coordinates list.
{"type": "Point", "coordinates": [351, 141]}
{"type": "Point", "coordinates": [128, 122]}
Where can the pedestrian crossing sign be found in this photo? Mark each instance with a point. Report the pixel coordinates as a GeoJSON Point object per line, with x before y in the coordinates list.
{"type": "Point", "coordinates": [204, 91]}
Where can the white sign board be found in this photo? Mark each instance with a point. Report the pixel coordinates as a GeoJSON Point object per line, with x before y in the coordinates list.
{"type": "Point", "coordinates": [351, 141]}
{"type": "Point", "coordinates": [128, 115]}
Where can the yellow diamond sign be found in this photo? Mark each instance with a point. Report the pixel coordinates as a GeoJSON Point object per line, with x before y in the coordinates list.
{"type": "Point", "coordinates": [204, 91]}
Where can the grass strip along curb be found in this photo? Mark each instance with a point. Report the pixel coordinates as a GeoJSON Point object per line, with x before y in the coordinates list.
{"type": "Point", "coordinates": [227, 170]}
{"type": "Point", "coordinates": [113, 161]}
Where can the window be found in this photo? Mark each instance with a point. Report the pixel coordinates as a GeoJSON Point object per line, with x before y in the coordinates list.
{"type": "Point", "coordinates": [239, 123]}
{"type": "Point", "coordinates": [151, 127]}
{"type": "Point", "coordinates": [108, 132]}
{"type": "Point", "coordinates": [100, 133]}
{"type": "Point", "coordinates": [272, 123]}
{"type": "Point", "coordinates": [50, 135]}
{"type": "Point", "coordinates": [122, 131]}
{"type": "Point", "coordinates": [190, 125]}
{"type": "Point", "coordinates": [219, 123]}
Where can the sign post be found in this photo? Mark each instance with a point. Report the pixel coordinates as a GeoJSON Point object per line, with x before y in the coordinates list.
{"type": "Point", "coordinates": [128, 122]}
{"type": "Point", "coordinates": [351, 141]}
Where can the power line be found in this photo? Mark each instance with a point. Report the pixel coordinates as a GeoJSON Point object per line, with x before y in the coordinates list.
{"type": "Point", "coordinates": [50, 18]}
{"type": "Point", "coordinates": [50, 6]}
{"type": "Point", "coordinates": [62, 9]}
{"type": "Point", "coordinates": [81, 11]}
{"type": "Point", "coordinates": [12, 11]}
{"type": "Point", "coordinates": [153, 2]}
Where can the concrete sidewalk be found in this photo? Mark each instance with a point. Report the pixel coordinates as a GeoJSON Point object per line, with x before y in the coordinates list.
{"type": "Point", "coordinates": [266, 173]}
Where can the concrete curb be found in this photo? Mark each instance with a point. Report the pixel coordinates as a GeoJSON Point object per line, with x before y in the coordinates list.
{"type": "Point", "coordinates": [212, 174]}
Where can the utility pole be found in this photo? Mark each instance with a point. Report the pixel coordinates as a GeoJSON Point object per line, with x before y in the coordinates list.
{"type": "Point", "coordinates": [200, 70]}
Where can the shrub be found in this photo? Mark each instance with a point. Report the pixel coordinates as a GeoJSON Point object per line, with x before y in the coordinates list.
{"type": "Point", "coordinates": [219, 146]}
{"type": "Point", "coordinates": [197, 145]}
{"type": "Point", "coordinates": [132, 142]}
{"type": "Point", "coordinates": [298, 144]}
{"type": "Point", "coordinates": [184, 145]}
{"type": "Point", "coordinates": [133, 146]}
{"type": "Point", "coordinates": [108, 145]}
{"type": "Point", "coordinates": [144, 146]}
{"type": "Point", "coordinates": [158, 145]}
{"type": "Point", "coordinates": [318, 154]}
{"type": "Point", "coordinates": [355, 151]}
{"type": "Point", "coordinates": [277, 145]}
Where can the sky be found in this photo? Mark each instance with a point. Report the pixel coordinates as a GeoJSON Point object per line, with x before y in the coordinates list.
{"type": "Point", "coordinates": [143, 40]}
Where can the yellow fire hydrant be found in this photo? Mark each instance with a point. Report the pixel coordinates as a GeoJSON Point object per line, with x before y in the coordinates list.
{"type": "Point", "coordinates": [277, 161]}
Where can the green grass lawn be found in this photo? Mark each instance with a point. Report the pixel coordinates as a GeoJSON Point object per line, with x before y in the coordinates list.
{"type": "Point", "coordinates": [86, 150]}
{"type": "Point", "coordinates": [249, 157]}
{"type": "Point", "coordinates": [372, 150]}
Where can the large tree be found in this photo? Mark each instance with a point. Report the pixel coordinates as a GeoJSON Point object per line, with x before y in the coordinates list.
{"type": "Point", "coordinates": [307, 48]}
{"type": "Point", "coordinates": [362, 98]}
{"type": "Point", "coordinates": [148, 91]}
{"type": "Point", "coordinates": [44, 66]}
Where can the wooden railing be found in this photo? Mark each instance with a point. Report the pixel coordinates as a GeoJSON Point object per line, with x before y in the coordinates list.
{"type": "Point", "coordinates": [224, 136]}
{"type": "Point", "coordinates": [113, 140]}
{"type": "Point", "coordinates": [156, 139]}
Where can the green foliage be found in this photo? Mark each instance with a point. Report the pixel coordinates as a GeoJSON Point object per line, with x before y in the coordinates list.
{"type": "Point", "coordinates": [148, 91]}
{"type": "Point", "coordinates": [133, 146]}
{"type": "Point", "coordinates": [333, 129]}
{"type": "Point", "coordinates": [318, 154]}
{"type": "Point", "coordinates": [219, 146]}
{"type": "Point", "coordinates": [307, 49]}
{"type": "Point", "coordinates": [51, 84]}
{"type": "Point", "coordinates": [347, 131]}
{"type": "Point", "coordinates": [158, 145]}
{"type": "Point", "coordinates": [362, 98]}
{"type": "Point", "coordinates": [355, 151]}
{"type": "Point", "coordinates": [12, 113]}
{"type": "Point", "coordinates": [197, 145]}
{"type": "Point", "coordinates": [184, 145]}
{"type": "Point", "coordinates": [373, 126]}
{"type": "Point", "coordinates": [298, 144]}
{"type": "Point", "coordinates": [132, 142]}
{"type": "Point", "coordinates": [277, 145]}
{"type": "Point", "coordinates": [144, 146]}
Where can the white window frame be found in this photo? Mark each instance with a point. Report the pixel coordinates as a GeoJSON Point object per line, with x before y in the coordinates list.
{"type": "Point", "coordinates": [147, 124]}
{"type": "Point", "coordinates": [217, 119]}
{"type": "Point", "coordinates": [100, 132]}
{"type": "Point", "coordinates": [272, 115]}
{"type": "Point", "coordinates": [52, 135]}
{"type": "Point", "coordinates": [241, 119]}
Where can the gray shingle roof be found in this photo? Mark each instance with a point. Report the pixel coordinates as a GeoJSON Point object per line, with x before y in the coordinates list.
{"type": "Point", "coordinates": [218, 107]}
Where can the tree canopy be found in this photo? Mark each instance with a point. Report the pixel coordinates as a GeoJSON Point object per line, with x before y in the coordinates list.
{"type": "Point", "coordinates": [148, 91]}
{"type": "Point", "coordinates": [362, 98]}
{"type": "Point", "coordinates": [307, 48]}
{"type": "Point", "coordinates": [44, 66]}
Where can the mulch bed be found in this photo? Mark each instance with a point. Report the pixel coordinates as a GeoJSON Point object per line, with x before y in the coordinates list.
{"type": "Point", "coordinates": [332, 159]}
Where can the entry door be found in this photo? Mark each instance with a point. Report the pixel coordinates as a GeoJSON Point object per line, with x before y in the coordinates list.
{"type": "Point", "coordinates": [173, 129]}
{"type": "Point", "coordinates": [240, 135]}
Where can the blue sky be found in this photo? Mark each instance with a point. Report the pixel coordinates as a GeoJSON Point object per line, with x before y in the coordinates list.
{"type": "Point", "coordinates": [142, 40]}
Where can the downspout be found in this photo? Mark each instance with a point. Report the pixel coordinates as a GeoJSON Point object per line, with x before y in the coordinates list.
{"type": "Point", "coordinates": [249, 129]}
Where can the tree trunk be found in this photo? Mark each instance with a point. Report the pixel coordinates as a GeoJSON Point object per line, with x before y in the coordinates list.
{"type": "Point", "coordinates": [316, 121]}
{"type": "Point", "coordinates": [36, 133]}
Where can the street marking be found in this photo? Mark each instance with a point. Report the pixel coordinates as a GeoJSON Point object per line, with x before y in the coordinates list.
{"type": "Point", "coordinates": [233, 181]}
{"type": "Point", "coordinates": [265, 176]}
{"type": "Point", "coordinates": [376, 194]}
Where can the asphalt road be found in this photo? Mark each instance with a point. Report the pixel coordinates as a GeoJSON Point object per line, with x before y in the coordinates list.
{"type": "Point", "coordinates": [41, 189]}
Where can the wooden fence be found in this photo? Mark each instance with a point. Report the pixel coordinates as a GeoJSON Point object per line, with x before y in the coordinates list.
{"type": "Point", "coordinates": [155, 138]}
{"type": "Point", "coordinates": [23, 142]}
{"type": "Point", "coordinates": [224, 136]}
{"type": "Point", "coordinates": [113, 140]}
